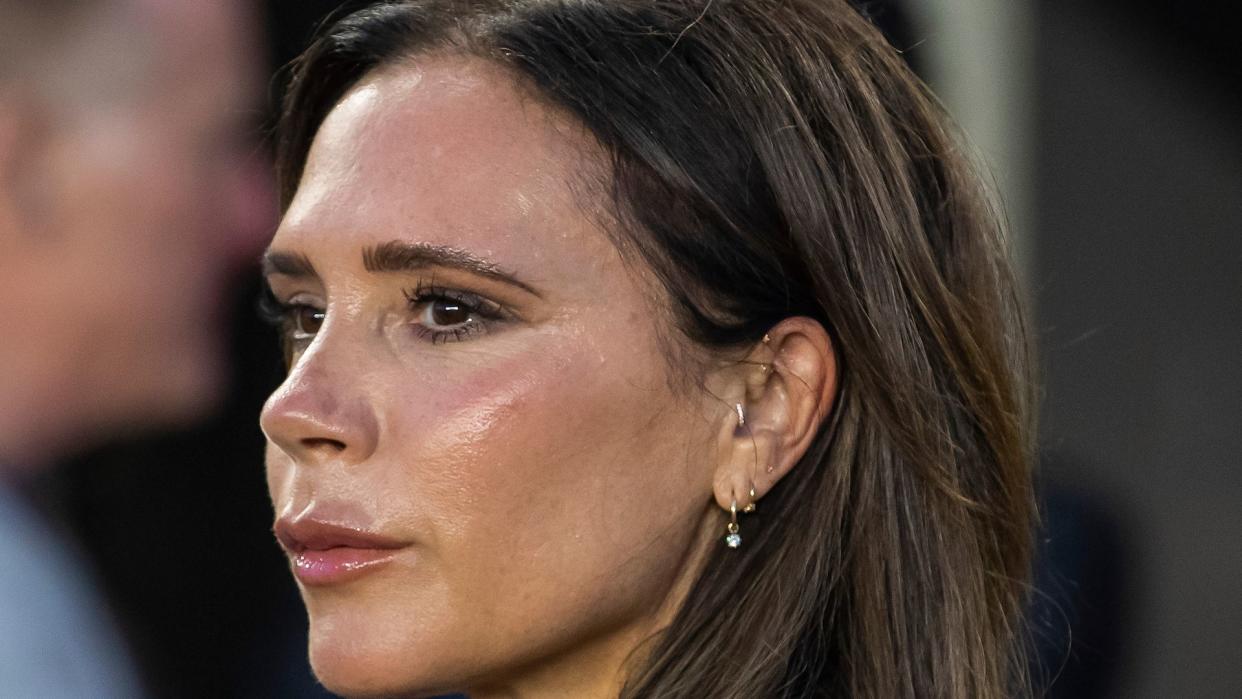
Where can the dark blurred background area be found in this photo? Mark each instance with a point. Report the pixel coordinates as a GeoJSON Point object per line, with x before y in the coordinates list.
{"type": "Point", "coordinates": [1130, 247]}
{"type": "Point", "coordinates": [1134, 273]}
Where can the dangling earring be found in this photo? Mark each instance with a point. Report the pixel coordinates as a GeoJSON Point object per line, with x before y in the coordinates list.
{"type": "Point", "coordinates": [733, 539]}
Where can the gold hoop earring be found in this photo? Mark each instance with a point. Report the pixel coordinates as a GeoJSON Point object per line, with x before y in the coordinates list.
{"type": "Point", "coordinates": [750, 506]}
{"type": "Point", "coordinates": [733, 539]}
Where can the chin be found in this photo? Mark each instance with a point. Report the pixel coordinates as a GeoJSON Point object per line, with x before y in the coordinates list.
{"type": "Point", "coordinates": [191, 385]}
{"type": "Point", "coordinates": [358, 659]}
{"type": "Point", "coordinates": [362, 672]}
{"type": "Point", "coordinates": [160, 394]}
{"type": "Point", "coordinates": [161, 407]}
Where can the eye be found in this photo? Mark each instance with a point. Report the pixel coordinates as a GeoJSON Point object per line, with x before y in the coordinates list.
{"type": "Point", "coordinates": [445, 312]}
{"type": "Point", "coordinates": [305, 320]}
{"type": "Point", "coordinates": [295, 321]}
{"type": "Point", "coordinates": [448, 315]}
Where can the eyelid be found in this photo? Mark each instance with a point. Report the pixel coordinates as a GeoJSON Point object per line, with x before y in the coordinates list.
{"type": "Point", "coordinates": [281, 315]}
{"type": "Point", "coordinates": [487, 312]}
{"type": "Point", "coordinates": [304, 299]}
{"type": "Point", "coordinates": [490, 313]}
{"type": "Point", "coordinates": [424, 292]}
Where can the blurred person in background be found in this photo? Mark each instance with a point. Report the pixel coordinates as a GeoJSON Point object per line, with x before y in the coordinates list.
{"type": "Point", "coordinates": [128, 198]}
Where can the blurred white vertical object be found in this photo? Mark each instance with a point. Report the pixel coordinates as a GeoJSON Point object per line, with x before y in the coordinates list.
{"type": "Point", "coordinates": [56, 638]}
{"type": "Point", "coordinates": [979, 59]}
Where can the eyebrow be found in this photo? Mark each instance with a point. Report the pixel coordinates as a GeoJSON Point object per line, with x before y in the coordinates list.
{"type": "Point", "coordinates": [400, 256]}
{"type": "Point", "coordinates": [290, 264]}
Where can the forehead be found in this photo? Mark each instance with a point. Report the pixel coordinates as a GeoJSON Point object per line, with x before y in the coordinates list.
{"type": "Point", "coordinates": [158, 56]}
{"type": "Point", "coordinates": [447, 151]}
{"type": "Point", "coordinates": [204, 48]}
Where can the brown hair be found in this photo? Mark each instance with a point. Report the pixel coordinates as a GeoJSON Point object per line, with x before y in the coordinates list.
{"type": "Point", "coordinates": [772, 158]}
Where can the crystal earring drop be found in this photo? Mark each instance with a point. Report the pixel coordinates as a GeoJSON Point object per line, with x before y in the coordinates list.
{"type": "Point", "coordinates": [733, 539]}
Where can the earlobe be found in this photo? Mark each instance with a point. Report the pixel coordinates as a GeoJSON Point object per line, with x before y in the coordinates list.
{"type": "Point", "coordinates": [744, 449]}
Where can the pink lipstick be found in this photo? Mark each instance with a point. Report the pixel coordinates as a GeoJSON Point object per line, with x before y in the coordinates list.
{"type": "Point", "coordinates": [330, 554]}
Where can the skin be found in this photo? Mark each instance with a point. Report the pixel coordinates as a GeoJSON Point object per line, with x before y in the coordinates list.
{"type": "Point", "coordinates": [554, 494]}
{"type": "Point", "coordinates": [128, 201]}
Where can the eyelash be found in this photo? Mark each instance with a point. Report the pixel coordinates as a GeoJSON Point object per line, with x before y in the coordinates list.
{"type": "Point", "coordinates": [474, 305]}
{"type": "Point", "coordinates": [282, 315]}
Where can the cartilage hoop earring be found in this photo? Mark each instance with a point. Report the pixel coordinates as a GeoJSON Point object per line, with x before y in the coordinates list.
{"type": "Point", "coordinates": [733, 539]}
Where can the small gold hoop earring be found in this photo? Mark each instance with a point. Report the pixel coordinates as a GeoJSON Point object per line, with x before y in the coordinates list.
{"type": "Point", "coordinates": [750, 506]}
{"type": "Point", "coordinates": [733, 539]}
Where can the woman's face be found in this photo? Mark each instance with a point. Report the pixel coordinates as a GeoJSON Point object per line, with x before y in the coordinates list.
{"type": "Point", "coordinates": [477, 463]}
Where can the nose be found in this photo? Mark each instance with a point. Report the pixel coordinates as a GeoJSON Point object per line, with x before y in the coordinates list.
{"type": "Point", "coordinates": [319, 416]}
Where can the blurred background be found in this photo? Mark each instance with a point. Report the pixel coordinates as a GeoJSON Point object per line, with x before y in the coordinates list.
{"type": "Point", "coordinates": [1114, 132]}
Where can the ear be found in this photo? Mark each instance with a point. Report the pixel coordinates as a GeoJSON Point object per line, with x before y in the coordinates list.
{"type": "Point", "coordinates": [9, 143]}
{"type": "Point", "coordinates": [784, 389]}
{"type": "Point", "coordinates": [23, 147]}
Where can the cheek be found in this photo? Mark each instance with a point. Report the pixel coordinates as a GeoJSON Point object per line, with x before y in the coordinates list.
{"type": "Point", "coordinates": [484, 450]}
{"type": "Point", "coordinates": [145, 223]}
{"type": "Point", "coordinates": [542, 480]}
{"type": "Point", "coordinates": [279, 473]}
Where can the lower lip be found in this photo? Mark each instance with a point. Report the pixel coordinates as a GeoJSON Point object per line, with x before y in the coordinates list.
{"type": "Point", "coordinates": [337, 565]}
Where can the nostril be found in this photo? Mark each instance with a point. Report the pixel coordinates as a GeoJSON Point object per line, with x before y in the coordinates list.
{"type": "Point", "coordinates": [323, 442]}
{"type": "Point", "coordinates": [308, 420]}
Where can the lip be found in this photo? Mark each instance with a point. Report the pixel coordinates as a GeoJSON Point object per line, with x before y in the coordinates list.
{"type": "Point", "coordinates": [321, 553]}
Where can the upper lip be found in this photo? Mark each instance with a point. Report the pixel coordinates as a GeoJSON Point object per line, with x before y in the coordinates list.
{"type": "Point", "coordinates": [296, 536]}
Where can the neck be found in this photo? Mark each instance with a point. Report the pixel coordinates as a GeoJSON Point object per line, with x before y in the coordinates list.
{"type": "Point", "coordinates": [591, 672]}
{"type": "Point", "coordinates": [33, 426]}
{"type": "Point", "coordinates": [599, 669]}
{"type": "Point", "coordinates": [42, 386]}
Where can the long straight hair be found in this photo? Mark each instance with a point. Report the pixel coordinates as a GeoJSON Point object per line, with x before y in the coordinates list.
{"type": "Point", "coordinates": [772, 158]}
